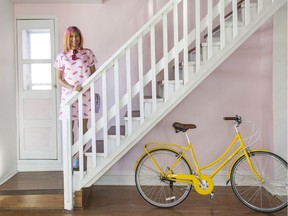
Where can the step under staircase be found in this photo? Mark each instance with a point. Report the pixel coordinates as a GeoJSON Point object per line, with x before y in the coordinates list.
{"type": "Point", "coordinates": [130, 109]}
{"type": "Point", "coordinates": [33, 190]}
{"type": "Point", "coordinates": [38, 190]}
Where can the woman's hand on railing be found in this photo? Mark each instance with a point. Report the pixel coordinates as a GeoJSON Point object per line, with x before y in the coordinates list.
{"type": "Point", "coordinates": [77, 88]}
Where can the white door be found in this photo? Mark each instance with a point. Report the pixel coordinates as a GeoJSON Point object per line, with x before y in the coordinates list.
{"type": "Point", "coordinates": [37, 90]}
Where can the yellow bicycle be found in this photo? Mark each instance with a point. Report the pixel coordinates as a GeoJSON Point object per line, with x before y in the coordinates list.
{"type": "Point", "coordinates": [164, 176]}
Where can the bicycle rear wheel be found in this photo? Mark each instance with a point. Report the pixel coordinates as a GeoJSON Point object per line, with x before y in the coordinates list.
{"type": "Point", "coordinates": [157, 190]}
{"type": "Point", "coordinates": [267, 196]}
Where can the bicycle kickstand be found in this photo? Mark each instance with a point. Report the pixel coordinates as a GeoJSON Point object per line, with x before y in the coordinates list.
{"type": "Point", "coordinates": [212, 195]}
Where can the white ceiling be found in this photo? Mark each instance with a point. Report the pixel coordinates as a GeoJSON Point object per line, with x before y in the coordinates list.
{"type": "Point", "coordinates": [55, 1]}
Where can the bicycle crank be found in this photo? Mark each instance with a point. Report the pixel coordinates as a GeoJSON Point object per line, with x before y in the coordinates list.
{"type": "Point", "coordinates": [204, 185]}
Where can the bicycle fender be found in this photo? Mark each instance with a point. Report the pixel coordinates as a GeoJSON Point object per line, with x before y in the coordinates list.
{"type": "Point", "coordinates": [153, 149]}
{"type": "Point", "coordinates": [231, 166]}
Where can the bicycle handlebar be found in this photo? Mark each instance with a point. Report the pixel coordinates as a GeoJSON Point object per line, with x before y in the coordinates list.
{"type": "Point", "coordinates": [229, 118]}
{"type": "Point", "coordinates": [237, 118]}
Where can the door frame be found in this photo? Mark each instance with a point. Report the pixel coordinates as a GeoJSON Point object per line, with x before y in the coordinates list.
{"type": "Point", "coordinates": [38, 165]}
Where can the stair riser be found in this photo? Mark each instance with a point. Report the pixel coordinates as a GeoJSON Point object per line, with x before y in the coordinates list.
{"type": "Point", "coordinates": [148, 108]}
{"type": "Point", "coordinates": [39, 201]}
{"type": "Point", "coordinates": [253, 11]}
{"type": "Point", "coordinates": [135, 125]}
{"type": "Point", "coordinates": [99, 160]}
{"type": "Point", "coordinates": [215, 49]}
{"type": "Point", "coordinates": [171, 89]}
{"type": "Point", "coordinates": [228, 31]}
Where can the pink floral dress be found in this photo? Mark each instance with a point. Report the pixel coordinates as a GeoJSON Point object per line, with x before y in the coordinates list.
{"type": "Point", "coordinates": [76, 72]}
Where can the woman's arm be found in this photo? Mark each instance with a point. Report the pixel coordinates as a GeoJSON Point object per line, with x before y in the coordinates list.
{"type": "Point", "coordinates": [62, 82]}
{"type": "Point", "coordinates": [92, 69]}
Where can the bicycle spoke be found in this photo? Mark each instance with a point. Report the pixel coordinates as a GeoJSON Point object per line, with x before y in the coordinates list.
{"type": "Point", "coordinates": [153, 187]}
{"type": "Point", "coordinates": [267, 196]}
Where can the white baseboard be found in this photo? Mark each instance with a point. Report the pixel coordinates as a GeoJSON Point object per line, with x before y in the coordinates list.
{"type": "Point", "coordinates": [5, 178]}
{"type": "Point", "coordinates": [128, 178]}
{"type": "Point", "coordinates": [117, 178]}
{"type": "Point", "coordinates": [33, 165]}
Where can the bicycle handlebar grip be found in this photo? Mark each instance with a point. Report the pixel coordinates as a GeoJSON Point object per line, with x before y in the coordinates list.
{"type": "Point", "coordinates": [230, 118]}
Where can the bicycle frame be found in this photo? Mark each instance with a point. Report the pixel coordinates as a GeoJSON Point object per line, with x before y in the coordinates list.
{"type": "Point", "coordinates": [231, 156]}
{"type": "Point", "coordinates": [188, 178]}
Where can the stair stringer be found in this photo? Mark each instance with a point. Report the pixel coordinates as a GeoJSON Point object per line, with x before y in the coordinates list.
{"type": "Point", "coordinates": [207, 68]}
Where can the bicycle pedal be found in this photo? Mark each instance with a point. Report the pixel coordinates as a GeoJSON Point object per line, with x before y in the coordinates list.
{"type": "Point", "coordinates": [212, 195]}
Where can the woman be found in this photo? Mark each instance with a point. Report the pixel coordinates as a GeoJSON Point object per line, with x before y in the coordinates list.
{"type": "Point", "coordinates": [73, 66]}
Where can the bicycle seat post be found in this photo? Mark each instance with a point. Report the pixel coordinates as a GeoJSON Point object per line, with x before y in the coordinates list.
{"type": "Point", "coordinates": [187, 137]}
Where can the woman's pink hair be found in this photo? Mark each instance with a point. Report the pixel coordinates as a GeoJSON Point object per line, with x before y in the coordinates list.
{"type": "Point", "coordinates": [67, 36]}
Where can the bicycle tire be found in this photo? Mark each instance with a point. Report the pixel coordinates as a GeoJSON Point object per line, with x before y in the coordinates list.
{"type": "Point", "coordinates": [268, 196]}
{"type": "Point", "coordinates": [160, 192]}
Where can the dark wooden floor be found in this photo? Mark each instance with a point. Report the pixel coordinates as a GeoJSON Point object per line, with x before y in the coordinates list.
{"type": "Point", "coordinates": [125, 200]}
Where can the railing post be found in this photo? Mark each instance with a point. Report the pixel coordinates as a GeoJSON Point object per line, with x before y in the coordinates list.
{"type": "Point", "coordinates": [235, 18]}
{"type": "Point", "coordinates": [81, 136]}
{"type": "Point", "coordinates": [153, 68]}
{"type": "Point", "coordinates": [260, 5]}
{"type": "Point", "coordinates": [247, 12]}
{"type": "Point", "coordinates": [222, 24]}
{"type": "Point", "coordinates": [93, 125]}
{"type": "Point", "coordinates": [129, 93]}
{"type": "Point", "coordinates": [209, 28]}
{"type": "Point", "coordinates": [105, 113]}
{"type": "Point", "coordinates": [141, 79]}
{"type": "Point", "coordinates": [176, 45]}
{"type": "Point", "coordinates": [117, 102]}
{"type": "Point", "coordinates": [185, 39]}
{"type": "Point", "coordinates": [197, 32]}
{"type": "Point", "coordinates": [67, 159]}
{"type": "Point", "coordinates": [165, 56]}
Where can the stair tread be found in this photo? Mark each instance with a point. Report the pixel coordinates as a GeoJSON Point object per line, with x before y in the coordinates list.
{"type": "Point", "coordinates": [214, 43]}
{"type": "Point", "coordinates": [31, 191]}
{"type": "Point", "coordinates": [135, 113]}
{"type": "Point", "coordinates": [158, 98]}
{"type": "Point", "coordinates": [150, 96]}
{"type": "Point", "coordinates": [170, 82]}
{"type": "Point", "coordinates": [112, 130]}
{"type": "Point", "coordinates": [28, 183]}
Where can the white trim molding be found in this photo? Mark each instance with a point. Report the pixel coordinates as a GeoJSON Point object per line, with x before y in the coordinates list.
{"type": "Point", "coordinates": [280, 80]}
{"type": "Point", "coordinates": [56, 1]}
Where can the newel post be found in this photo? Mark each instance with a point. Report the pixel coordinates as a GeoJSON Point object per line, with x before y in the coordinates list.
{"type": "Point", "coordinates": [67, 159]}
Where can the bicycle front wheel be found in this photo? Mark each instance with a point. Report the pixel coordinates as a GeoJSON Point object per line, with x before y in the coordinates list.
{"type": "Point", "coordinates": [157, 190]}
{"type": "Point", "coordinates": [267, 196]}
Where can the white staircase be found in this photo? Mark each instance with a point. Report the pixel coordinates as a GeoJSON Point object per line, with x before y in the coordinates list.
{"type": "Point", "coordinates": [158, 71]}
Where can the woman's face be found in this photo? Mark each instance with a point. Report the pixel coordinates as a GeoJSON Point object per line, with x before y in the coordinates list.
{"type": "Point", "coordinates": [74, 40]}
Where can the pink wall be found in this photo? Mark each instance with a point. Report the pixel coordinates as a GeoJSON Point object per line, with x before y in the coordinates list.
{"type": "Point", "coordinates": [105, 27]}
{"type": "Point", "coordinates": [241, 85]}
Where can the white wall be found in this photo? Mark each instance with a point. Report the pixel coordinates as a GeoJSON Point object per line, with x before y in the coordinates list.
{"type": "Point", "coordinates": [241, 85]}
{"type": "Point", "coordinates": [8, 129]}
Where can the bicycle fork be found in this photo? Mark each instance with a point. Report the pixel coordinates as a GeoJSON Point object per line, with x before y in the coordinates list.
{"type": "Point", "coordinates": [247, 154]}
